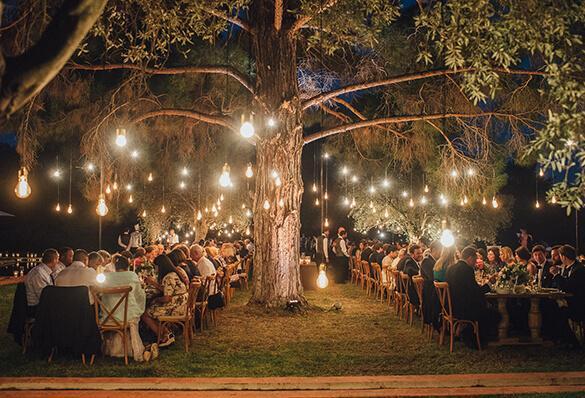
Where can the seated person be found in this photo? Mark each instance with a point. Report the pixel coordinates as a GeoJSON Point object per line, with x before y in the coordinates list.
{"type": "Point", "coordinates": [39, 277]}
{"type": "Point", "coordinates": [136, 306]}
{"type": "Point", "coordinates": [177, 256]}
{"type": "Point", "coordinates": [108, 266]}
{"type": "Point", "coordinates": [78, 274]}
{"type": "Point", "coordinates": [139, 257]}
{"type": "Point", "coordinates": [468, 298]}
{"type": "Point", "coordinates": [95, 261]}
{"type": "Point", "coordinates": [570, 278]}
{"type": "Point", "coordinates": [173, 299]}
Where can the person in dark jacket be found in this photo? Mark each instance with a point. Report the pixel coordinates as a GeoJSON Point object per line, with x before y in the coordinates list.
{"type": "Point", "coordinates": [468, 298]}
{"type": "Point", "coordinates": [412, 268]}
{"type": "Point", "coordinates": [570, 278]}
{"type": "Point", "coordinates": [431, 307]}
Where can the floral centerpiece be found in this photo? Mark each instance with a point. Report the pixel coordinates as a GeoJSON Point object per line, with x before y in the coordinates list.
{"type": "Point", "coordinates": [512, 277]}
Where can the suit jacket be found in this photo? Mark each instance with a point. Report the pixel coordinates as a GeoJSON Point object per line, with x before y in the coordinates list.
{"type": "Point", "coordinates": [411, 268]}
{"type": "Point", "coordinates": [467, 296]}
{"type": "Point", "coordinates": [573, 282]}
{"type": "Point", "coordinates": [365, 255]}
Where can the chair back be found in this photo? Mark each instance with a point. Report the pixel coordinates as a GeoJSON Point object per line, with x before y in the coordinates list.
{"type": "Point", "coordinates": [194, 287]}
{"type": "Point", "coordinates": [377, 271]}
{"type": "Point", "coordinates": [247, 264]}
{"type": "Point", "coordinates": [444, 294]}
{"type": "Point", "coordinates": [419, 282]}
{"type": "Point", "coordinates": [405, 282]}
{"type": "Point", "coordinates": [397, 280]}
{"type": "Point", "coordinates": [108, 320]}
{"type": "Point", "coordinates": [366, 268]}
{"type": "Point", "coordinates": [204, 289]}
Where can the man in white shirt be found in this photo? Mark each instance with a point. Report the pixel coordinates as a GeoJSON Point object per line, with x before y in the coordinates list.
{"type": "Point", "coordinates": [204, 266]}
{"type": "Point", "coordinates": [78, 273]}
{"type": "Point", "coordinates": [322, 248]}
{"type": "Point", "coordinates": [135, 239]}
{"type": "Point", "coordinates": [65, 260]}
{"type": "Point", "coordinates": [39, 277]}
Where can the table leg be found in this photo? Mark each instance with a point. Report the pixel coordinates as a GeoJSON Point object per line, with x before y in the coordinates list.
{"type": "Point", "coordinates": [534, 319]}
{"type": "Point", "coordinates": [505, 323]}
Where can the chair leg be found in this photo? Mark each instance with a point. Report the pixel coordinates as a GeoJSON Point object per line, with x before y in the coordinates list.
{"type": "Point", "coordinates": [185, 335]}
{"type": "Point", "coordinates": [451, 336]}
{"type": "Point", "coordinates": [91, 359]}
{"type": "Point", "coordinates": [51, 355]}
{"type": "Point", "coordinates": [125, 345]}
{"type": "Point", "coordinates": [476, 330]}
{"type": "Point", "coordinates": [442, 334]}
{"type": "Point", "coordinates": [83, 359]}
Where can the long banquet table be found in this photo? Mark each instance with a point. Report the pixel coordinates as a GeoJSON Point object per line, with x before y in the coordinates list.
{"type": "Point", "coordinates": [534, 315]}
{"type": "Point", "coordinates": [11, 280]}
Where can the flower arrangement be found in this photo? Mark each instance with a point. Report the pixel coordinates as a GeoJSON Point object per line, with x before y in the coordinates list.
{"type": "Point", "coordinates": [513, 275]}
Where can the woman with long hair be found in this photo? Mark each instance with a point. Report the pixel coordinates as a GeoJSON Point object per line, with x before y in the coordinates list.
{"type": "Point", "coordinates": [507, 255]}
{"type": "Point", "coordinates": [448, 258]}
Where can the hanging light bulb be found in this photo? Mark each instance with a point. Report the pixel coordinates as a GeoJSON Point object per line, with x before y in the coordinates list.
{"type": "Point", "coordinates": [454, 173]}
{"type": "Point", "coordinates": [537, 204]}
{"type": "Point", "coordinates": [352, 203]}
{"type": "Point", "coordinates": [461, 203]}
{"type": "Point", "coordinates": [69, 209]}
{"type": "Point", "coordinates": [149, 177]}
{"type": "Point", "coordinates": [218, 202]}
{"type": "Point", "coordinates": [344, 170]}
{"type": "Point", "coordinates": [447, 238]}
{"type": "Point", "coordinates": [108, 189]}
{"type": "Point", "coordinates": [101, 208]}
{"type": "Point", "coordinates": [541, 172]}
{"type": "Point", "coordinates": [426, 189]}
{"type": "Point", "coordinates": [134, 154]}
{"type": "Point", "coordinates": [248, 213]}
{"type": "Point", "coordinates": [443, 200]}
{"type": "Point", "coordinates": [57, 173]}
{"type": "Point", "coordinates": [470, 172]}
{"type": "Point", "coordinates": [271, 122]}
{"type": "Point", "coordinates": [130, 199]}
{"type": "Point", "coordinates": [277, 181]}
{"type": "Point", "coordinates": [213, 209]}
{"type": "Point", "coordinates": [143, 213]}
{"type": "Point", "coordinates": [314, 187]}
{"type": "Point", "coordinates": [128, 187]}
{"type": "Point", "coordinates": [199, 215]}
{"type": "Point", "coordinates": [326, 196]}
{"type": "Point", "coordinates": [231, 220]}
{"type": "Point", "coordinates": [247, 128]}
{"type": "Point", "coordinates": [206, 210]}
{"type": "Point", "coordinates": [247, 230]}
{"type": "Point", "coordinates": [386, 215]}
{"type": "Point", "coordinates": [163, 210]}
{"type": "Point", "coordinates": [249, 171]}
{"type": "Point", "coordinates": [354, 179]}
{"type": "Point", "coordinates": [224, 179]}
{"type": "Point", "coordinates": [22, 189]}
{"type": "Point", "coordinates": [90, 167]}
{"type": "Point", "coordinates": [266, 204]}
{"type": "Point", "coordinates": [373, 210]}
{"type": "Point", "coordinates": [465, 200]}
{"type": "Point", "coordinates": [411, 203]}
{"type": "Point", "coordinates": [317, 202]}
{"type": "Point", "coordinates": [115, 186]}
{"type": "Point", "coordinates": [483, 201]}
{"type": "Point", "coordinates": [346, 201]}
{"type": "Point", "coordinates": [371, 205]}
{"type": "Point", "coordinates": [58, 207]}
{"type": "Point", "coordinates": [495, 203]}
{"type": "Point", "coordinates": [553, 200]}
{"type": "Point", "coordinates": [184, 171]}
{"type": "Point", "coordinates": [221, 197]}
{"type": "Point", "coordinates": [322, 281]}
{"type": "Point", "coordinates": [326, 155]}
{"type": "Point", "coordinates": [121, 140]}
{"type": "Point", "coordinates": [243, 205]}
{"type": "Point", "coordinates": [281, 202]}
{"type": "Point", "coordinates": [326, 223]}
{"type": "Point", "coordinates": [385, 183]}
{"type": "Point", "coordinates": [372, 189]}
{"type": "Point", "coordinates": [423, 200]}
{"type": "Point", "coordinates": [404, 194]}
{"type": "Point", "coordinates": [182, 185]}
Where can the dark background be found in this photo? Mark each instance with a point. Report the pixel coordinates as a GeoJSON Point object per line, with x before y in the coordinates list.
{"type": "Point", "coordinates": [36, 225]}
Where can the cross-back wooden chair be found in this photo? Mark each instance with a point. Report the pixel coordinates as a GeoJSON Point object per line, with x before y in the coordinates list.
{"type": "Point", "coordinates": [228, 291]}
{"type": "Point", "coordinates": [367, 276]}
{"type": "Point", "coordinates": [447, 318]}
{"type": "Point", "coordinates": [418, 281]}
{"type": "Point", "coordinates": [186, 321]}
{"type": "Point", "coordinates": [108, 322]}
{"type": "Point", "coordinates": [408, 306]}
{"type": "Point", "coordinates": [358, 272]}
{"type": "Point", "coordinates": [398, 294]}
{"type": "Point", "coordinates": [201, 301]}
{"type": "Point", "coordinates": [247, 263]}
{"type": "Point", "coordinates": [385, 285]}
{"type": "Point", "coordinates": [376, 279]}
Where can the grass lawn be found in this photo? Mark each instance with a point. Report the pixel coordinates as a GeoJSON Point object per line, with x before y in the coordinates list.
{"type": "Point", "coordinates": [363, 339]}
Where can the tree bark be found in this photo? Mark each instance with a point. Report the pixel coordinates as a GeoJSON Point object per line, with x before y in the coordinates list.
{"type": "Point", "coordinates": [278, 153]}
{"type": "Point", "coordinates": [27, 74]}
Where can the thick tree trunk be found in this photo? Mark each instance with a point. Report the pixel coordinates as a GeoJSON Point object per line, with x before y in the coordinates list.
{"type": "Point", "coordinates": [278, 163]}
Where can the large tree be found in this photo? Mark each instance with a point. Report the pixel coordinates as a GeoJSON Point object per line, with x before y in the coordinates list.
{"type": "Point", "coordinates": [482, 71]}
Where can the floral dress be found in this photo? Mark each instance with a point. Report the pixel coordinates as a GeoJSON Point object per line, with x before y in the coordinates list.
{"type": "Point", "coordinates": [176, 289]}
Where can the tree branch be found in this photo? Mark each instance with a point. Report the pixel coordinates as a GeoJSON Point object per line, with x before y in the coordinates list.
{"type": "Point", "coordinates": [178, 70]}
{"type": "Point", "coordinates": [304, 19]}
{"type": "Point", "coordinates": [278, 7]}
{"type": "Point", "coordinates": [219, 120]}
{"type": "Point", "coordinates": [404, 78]}
{"type": "Point", "coordinates": [395, 119]}
{"type": "Point", "coordinates": [27, 74]}
{"type": "Point", "coordinates": [236, 21]}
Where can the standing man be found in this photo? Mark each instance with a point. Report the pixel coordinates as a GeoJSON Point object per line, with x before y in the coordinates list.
{"type": "Point", "coordinates": [173, 238]}
{"type": "Point", "coordinates": [124, 239]}
{"type": "Point", "coordinates": [341, 256]}
{"type": "Point", "coordinates": [135, 239]}
{"type": "Point", "coordinates": [322, 248]}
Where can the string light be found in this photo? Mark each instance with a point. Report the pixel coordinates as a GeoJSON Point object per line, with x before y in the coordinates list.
{"type": "Point", "coordinates": [266, 204]}
{"type": "Point", "coordinates": [22, 189]}
{"type": "Point", "coordinates": [130, 199]}
{"type": "Point", "coordinates": [143, 213]}
{"type": "Point", "coordinates": [163, 210]}
{"type": "Point", "coordinates": [121, 140]}
{"type": "Point", "coordinates": [101, 208]}
{"type": "Point", "coordinates": [224, 179]}
{"type": "Point", "coordinates": [553, 200]}
{"type": "Point", "coordinates": [199, 215]}
{"type": "Point", "coordinates": [149, 177]}
{"type": "Point", "coordinates": [495, 203]}
{"type": "Point", "coordinates": [58, 207]}
{"type": "Point", "coordinates": [213, 209]}
{"type": "Point", "coordinates": [483, 201]}
{"type": "Point", "coordinates": [249, 171]}
{"type": "Point", "coordinates": [69, 209]}
{"type": "Point", "coordinates": [247, 128]}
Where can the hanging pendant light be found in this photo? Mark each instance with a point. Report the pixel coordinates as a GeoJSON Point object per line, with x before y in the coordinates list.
{"type": "Point", "coordinates": [249, 171]}
{"type": "Point", "coordinates": [130, 199]}
{"type": "Point", "coordinates": [483, 201]}
{"type": "Point", "coordinates": [247, 128]}
{"type": "Point", "coordinates": [426, 189]}
{"type": "Point", "coordinates": [199, 215]}
{"type": "Point", "coordinates": [22, 189]}
{"type": "Point", "coordinates": [314, 187]}
{"type": "Point", "coordinates": [58, 207]}
{"type": "Point", "coordinates": [326, 223]}
{"type": "Point", "coordinates": [163, 210]}
{"type": "Point", "coordinates": [149, 177]}
{"type": "Point", "coordinates": [495, 203]}
{"type": "Point", "coordinates": [121, 139]}
{"type": "Point", "coordinates": [108, 189]}
{"type": "Point", "coordinates": [225, 180]}
{"type": "Point", "coordinates": [143, 213]}
{"type": "Point", "coordinates": [101, 208]}
{"type": "Point", "coordinates": [69, 209]}
{"type": "Point", "coordinates": [541, 172]}
{"type": "Point", "coordinates": [317, 202]}
{"type": "Point", "coordinates": [266, 204]}
{"type": "Point", "coordinates": [537, 204]}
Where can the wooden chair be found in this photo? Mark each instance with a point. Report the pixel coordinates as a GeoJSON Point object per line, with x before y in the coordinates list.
{"type": "Point", "coordinates": [418, 282]}
{"type": "Point", "coordinates": [385, 285]}
{"type": "Point", "coordinates": [201, 301]}
{"type": "Point", "coordinates": [447, 317]}
{"type": "Point", "coordinates": [108, 323]}
{"type": "Point", "coordinates": [358, 272]}
{"type": "Point", "coordinates": [27, 335]}
{"type": "Point", "coordinates": [398, 294]}
{"type": "Point", "coordinates": [405, 282]}
{"type": "Point", "coordinates": [186, 321]}
{"type": "Point", "coordinates": [247, 262]}
{"type": "Point", "coordinates": [366, 277]}
{"type": "Point", "coordinates": [228, 291]}
{"type": "Point", "coordinates": [376, 279]}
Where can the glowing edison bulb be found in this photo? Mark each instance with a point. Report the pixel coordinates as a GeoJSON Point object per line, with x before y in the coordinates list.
{"type": "Point", "coordinates": [495, 203]}
{"type": "Point", "coordinates": [130, 199]}
{"type": "Point", "coordinates": [143, 213]}
{"type": "Point", "coordinates": [206, 210]}
{"type": "Point", "coordinates": [182, 185]}
{"type": "Point", "coordinates": [247, 129]}
{"type": "Point", "coordinates": [326, 196]}
{"type": "Point", "coordinates": [231, 220]}
{"type": "Point", "coordinates": [214, 208]}
{"type": "Point", "coordinates": [372, 189]}
{"type": "Point", "coordinates": [163, 210]}
{"type": "Point", "coordinates": [344, 170]}
{"type": "Point", "coordinates": [277, 181]}
{"type": "Point", "coordinates": [353, 204]}
{"type": "Point", "coordinates": [314, 187]}
{"type": "Point", "coordinates": [248, 213]}
{"type": "Point", "coordinates": [373, 210]}
{"type": "Point", "coordinates": [271, 122]}
{"type": "Point", "coordinates": [483, 201]}
{"type": "Point", "coordinates": [426, 189]}
{"type": "Point", "coordinates": [108, 189]}
{"type": "Point", "coordinates": [149, 177]}
{"type": "Point", "coordinates": [281, 202]}
{"type": "Point", "coordinates": [386, 213]}
{"type": "Point", "coordinates": [326, 223]}
{"type": "Point", "coordinates": [385, 183]}
{"type": "Point", "coordinates": [121, 140]}
{"type": "Point", "coordinates": [541, 172]}
{"type": "Point", "coordinates": [134, 154]}
{"type": "Point", "coordinates": [185, 171]}
{"type": "Point", "coordinates": [423, 200]}
{"type": "Point", "coordinates": [411, 203]}
{"type": "Point", "coordinates": [224, 179]}
{"type": "Point", "coordinates": [243, 205]}
{"type": "Point", "coordinates": [322, 281]}
{"type": "Point", "coordinates": [247, 230]}
{"type": "Point", "coordinates": [101, 208]}
{"type": "Point", "coordinates": [404, 194]}
{"type": "Point", "coordinates": [69, 209]}
{"type": "Point", "coordinates": [447, 238]}
{"type": "Point", "coordinates": [537, 204]}
{"type": "Point", "coordinates": [249, 171]}
{"type": "Point", "coordinates": [199, 215]}
{"type": "Point", "coordinates": [465, 200]}
{"type": "Point", "coordinates": [317, 202]}
{"type": "Point", "coordinates": [58, 207]}
{"type": "Point", "coordinates": [454, 173]}
{"type": "Point", "coordinates": [346, 201]}
{"type": "Point", "coordinates": [100, 278]}
{"type": "Point", "coordinates": [115, 186]}
{"type": "Point", "coordinates": [553, 200]}
{"type": "Point", "coordinates": [221, 198]}
{"type": "Point", "coordinates": [371, 205]}
{"type": "Point", "coordinates": [22, 189]}
{"type": "Point", "coordinates": [266, 204]}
